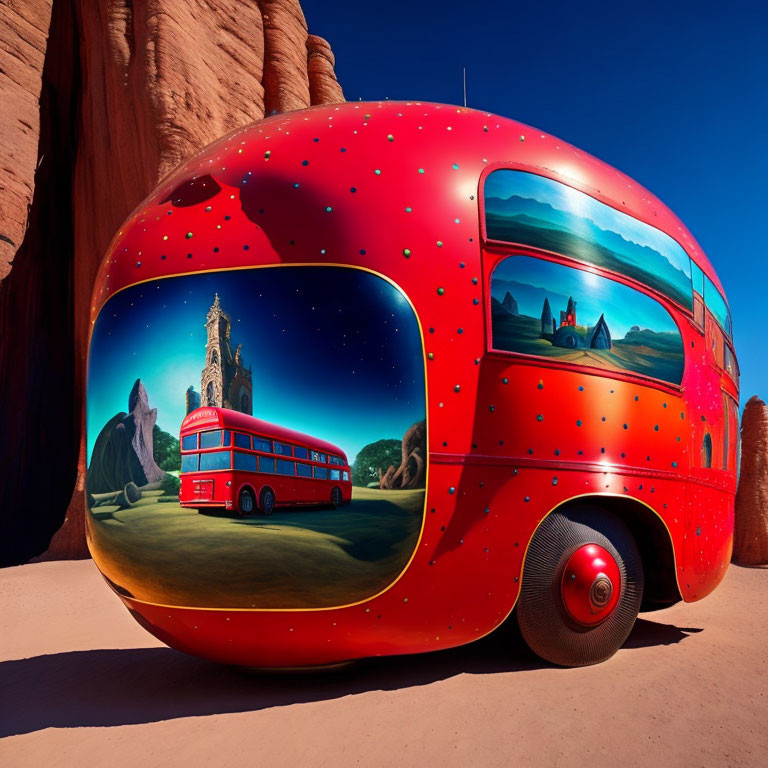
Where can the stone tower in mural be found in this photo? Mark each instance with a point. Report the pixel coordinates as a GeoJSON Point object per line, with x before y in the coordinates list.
{"type": "Point", "coordinates": [224, 382]}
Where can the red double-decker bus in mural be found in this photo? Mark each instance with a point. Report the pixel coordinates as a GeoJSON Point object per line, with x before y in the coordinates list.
{"type": "Point", "coordinates": [233, 461]}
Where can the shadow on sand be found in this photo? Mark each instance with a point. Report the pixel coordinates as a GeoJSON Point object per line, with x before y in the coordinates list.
{"type": "Point", "coordinates": [142, 685]}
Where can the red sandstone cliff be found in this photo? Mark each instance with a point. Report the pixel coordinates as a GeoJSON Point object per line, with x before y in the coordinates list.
{"type": "Point", "coordinates": [750, 534]}
{"type": "Point", "coordinates": [102, 99]}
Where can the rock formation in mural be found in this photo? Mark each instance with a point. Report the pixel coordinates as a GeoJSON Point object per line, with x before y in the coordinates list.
{"type": "Point", "coordinates": [124, 450]}
{"type": "Point", "coordinates": [750, 535]}
{"type": "Point", "coordinates": [95, 93]}
{"type": "Point", "coordinates": [412, 469]}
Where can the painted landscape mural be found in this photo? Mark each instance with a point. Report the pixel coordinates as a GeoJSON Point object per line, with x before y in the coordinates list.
{"type": "Point", "coordinates": [533, 210]}
{"type": "Point", "coordinates": [330, 352]}
{"type": "Point", "coordinates": [542, 308]}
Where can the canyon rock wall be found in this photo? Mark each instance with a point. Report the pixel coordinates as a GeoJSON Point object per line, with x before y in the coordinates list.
{"type": "Point", "coordinates": [119, 93]}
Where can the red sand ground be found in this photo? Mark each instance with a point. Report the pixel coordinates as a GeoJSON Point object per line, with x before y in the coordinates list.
{"type": "Point", "coordinates": [81, 684]}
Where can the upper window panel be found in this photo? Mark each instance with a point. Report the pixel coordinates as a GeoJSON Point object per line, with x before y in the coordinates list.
{"type": "Point", "coordinates": [717, 306]}
{"type": "Point", "coordinates": [533, 210]}
{"type": "Point", "coordinates": [543, 308]}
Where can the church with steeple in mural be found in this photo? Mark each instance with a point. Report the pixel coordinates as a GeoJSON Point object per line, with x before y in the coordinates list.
{"type": "Point", "coordinates": [225, 381]}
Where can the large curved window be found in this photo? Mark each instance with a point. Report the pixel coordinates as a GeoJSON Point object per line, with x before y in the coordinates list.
{"type": "Point", "coordinates": [543, 308]}
{"type": "Point", "coordinates": [533, 210]}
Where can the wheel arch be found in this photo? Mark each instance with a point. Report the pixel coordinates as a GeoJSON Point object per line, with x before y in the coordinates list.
{"type": "Point", "coordinates": [652, 537]}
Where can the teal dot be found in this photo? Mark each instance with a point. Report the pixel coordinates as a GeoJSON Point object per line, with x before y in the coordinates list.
{"type": "Point", "coordinates": [674, 463]}
{"type": "Point", "coordinates": [208, 209]}
{"type": "Point", "coordinates": [188, 235]}
{"type": "Point", "coordinates": [267, 153]}
{"type": "Point", "coordinates": [578, 422]}
{"type": "Point", "coordinates": [440, 291]}
{"type": "Point", "coordinates": [406, 252]}
{"type": "Point", "coordinates": [408, 209]}
{"type": "Point", "coordinates": [491, 408]}
{"type": "Point", "coordinates": [421, 170]}
{"type": "Point", "coordinates": [475, 301]}
{"type": "Point", "coordinates": [457, 388]}
{"type": "Point", "coordinates": [554, 481]}
{"type": "Point", "coordinates": [655, 427]}
{"type": "Point", "coordinates": [328, 208]}
{"type": "Point", "coordinates": [505, 380]}
{"type": "Point", "coordinates": [455, 166]}
{"type": "Point", "coordinates": [527, 499]}
{"type": "Point", "coordinates": [451, 490]}
{"type": "Point", "coordinates": [305, 162]}
{"type": "Point", "coordinates": [439, 243]}
{"type": "Point", "coordinates": [540, 417]}
{"type": "Point", "coordinates": [377, 171]}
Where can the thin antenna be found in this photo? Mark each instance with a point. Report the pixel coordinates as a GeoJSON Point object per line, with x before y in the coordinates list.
{"type": "Point", "coordinates": [464, 73]}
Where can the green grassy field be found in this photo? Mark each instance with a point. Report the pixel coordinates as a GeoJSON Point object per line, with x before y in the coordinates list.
{"type": "Point", "coordinates": [307, 558]}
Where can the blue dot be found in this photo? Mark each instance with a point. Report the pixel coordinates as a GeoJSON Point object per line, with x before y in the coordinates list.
{"type": "Point", "coordinates": [215, 250]}
{"type": "Point", "coordinates": [315, 139]}
{"type": "Point", "coordinates": [655, 427]}
{"type": "Point", "coordinates": [581, 389]}
{"type": "Point", "coordinates": [527, 499]}
{"type": "Point", "coordinates": [246, 247]}
{"type": "Point", "coordinates": [530, 451]}
{"type": "Point", "coordinates": [475, 302]}
{"type": "Point", "coordinates": [461, 264]}
{"type": "Point", "coordinates": [353, 190]}
{"type": "Point", "coordinates": [227, 218]}
{"type": "Point", "coordinates": [305, 162]}
{"type": "Point", "coordinates": [554, 481]}
{"type": "Point", "coordinates": [296, 185]}
{"type": "Point", "coordinates": [362, 251]}
{"type": "Point", "coordinates": [602, 450]}
{"type": "Point", "coordinates": [557, 451]}
{"type": "Point", "coordinates": [343, 149]}
{"type": "Point", "coordinates": [460, 330]}
{"type": "Point", "coordinates": [451, 490]}
{"type": "Point", "coordinates": [455, 166]}
{"type": "Point", "coordinates": [674, 463]}
{"type": "Point", "coordinates": [578, 422]}
{"type": "Point", "coordinates": [163, 257]}
{"type": "Point", "coordinates": [138, 263]}
{"type": "Point", "coordinates": [540, 417]}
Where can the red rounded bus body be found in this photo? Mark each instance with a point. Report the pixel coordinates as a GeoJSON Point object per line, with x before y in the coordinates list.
{"type": "Point", "coordinates": [397, 190]}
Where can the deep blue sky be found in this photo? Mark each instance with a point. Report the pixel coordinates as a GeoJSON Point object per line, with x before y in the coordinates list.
{"type": "Point", "coordinates": [335, 353]}
{"type": "Point", "coordinates": [672, 93]}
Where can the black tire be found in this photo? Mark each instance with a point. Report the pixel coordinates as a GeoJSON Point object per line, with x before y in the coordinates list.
{"type": "Point", "coordinates": [336, 498]}
{"type": "Point", "coordinates": [544, 621]}
{"type": "Point", "coordinates": [246, 502]}
{"type": "Point", "coordinates": [267, 502]}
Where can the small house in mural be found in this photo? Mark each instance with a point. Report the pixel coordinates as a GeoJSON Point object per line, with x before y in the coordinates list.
{"type": "Point", "coordinates": [568, 334]}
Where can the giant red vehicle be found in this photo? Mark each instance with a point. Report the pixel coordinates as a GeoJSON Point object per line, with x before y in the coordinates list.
{"type": "Point", "coordinates": [525, 356]}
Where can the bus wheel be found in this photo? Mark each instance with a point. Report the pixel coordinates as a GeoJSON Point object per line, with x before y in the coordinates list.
{"type": "Point", "coordinates": [267, 501]}
{"type": "Point", "coordinates": [582, 587]}
{"type": "Point", "coordinates": [336, 498]}
{"type": "Point", "coordinates": [245, 501]}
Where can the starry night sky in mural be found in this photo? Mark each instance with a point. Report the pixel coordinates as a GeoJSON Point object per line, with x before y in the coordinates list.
{"type": "Point", "coordinates": [334, 352]}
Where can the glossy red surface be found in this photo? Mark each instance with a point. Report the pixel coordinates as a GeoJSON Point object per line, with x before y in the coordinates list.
{"type": "Point", "coordinates": [590, 585]}
{"type": "Point", "coordinates": [394, 188]}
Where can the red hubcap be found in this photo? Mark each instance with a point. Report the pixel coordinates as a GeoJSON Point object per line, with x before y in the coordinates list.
{"type": "Point", "coordinates": [591, 585]}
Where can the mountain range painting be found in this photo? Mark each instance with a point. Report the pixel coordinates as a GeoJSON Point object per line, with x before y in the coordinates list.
{"type": "Point", "coordinates": [533, 210]}
{"type": "Point", "coordinates": [543, 308]}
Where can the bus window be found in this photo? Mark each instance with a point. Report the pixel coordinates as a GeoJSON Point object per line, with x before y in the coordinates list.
{"type": "Point", "coordinates": [213, 439]}
{"type": "Point", "coordinates": [214, 460]}
{"type": "Point", "coordinates": [335, 474]}
{"type": "Point", "coordinates": [189, 442]}
{"type": "Point", "coordinates": [730, 364]}
{"type": "Point", "coordinates": [526, 208]}
{"type": "Point", "coordinates": [245, 461]}
{"type": "Point", "coordinates": [299, 452]}
{"type": "Point", "coordinates": [316, 456]}
{"type": "Point", "coordinates": [569, 315]}
{"type": "Point", "coordinates": [285, 467]}
{"type": "Point", "coordinates": [698, 310]}
{"type": "Point", "coordinates": [303, 470]}
{"type": "Point", "coordinates": [282, 449]}
{"type": "Point", "coordinates": [190, 462]}
{"type": "Point", "coordinates": [262, 445]}
{"type": "Point", "coordinates": [716, 305]}
{"type": "Point", "coordinates": [706, 451]}
{"type": "Point", "coordinates": [266, 464]}
{"type": "Point", "coordinates": [717, 343]}
{"type": "Point", "coordinates": [345, 476]}
{"type": "Point", "coordinates": [242, 441]}
{"type": "Point", "coordinates": [320, 473]}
